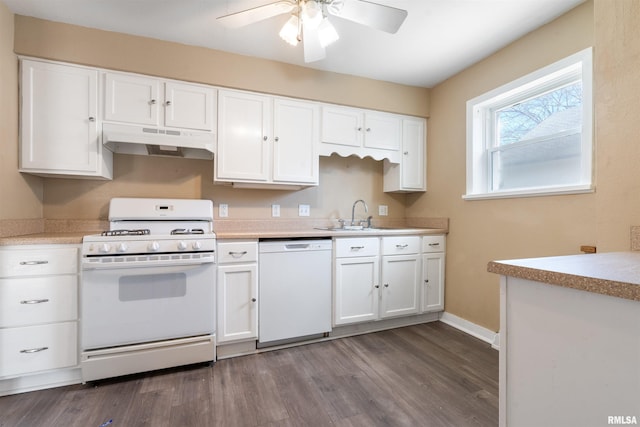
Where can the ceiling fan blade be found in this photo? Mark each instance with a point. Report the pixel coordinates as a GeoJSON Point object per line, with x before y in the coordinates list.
{"type": "Point", "coordinates": [313, 49]}
{"type": "Point", "coordinates": [249, 16]}
{"type": "Point", "coordinates": [378, 16]}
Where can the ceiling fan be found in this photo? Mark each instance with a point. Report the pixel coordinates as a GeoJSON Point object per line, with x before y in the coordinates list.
{"type": "Point", "coordinates": [309, 21]}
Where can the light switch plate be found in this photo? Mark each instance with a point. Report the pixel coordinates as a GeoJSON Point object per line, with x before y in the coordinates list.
{"type": "Point", "coordinates": [304, 210]}
{"type": "Point", "coordinates": [275, 210]}
{"type": "Point", "coordinates": [383, 210]}
{"type": "Point", "coordinates": [223, 210]}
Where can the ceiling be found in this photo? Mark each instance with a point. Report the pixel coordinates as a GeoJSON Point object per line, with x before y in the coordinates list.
{"type": "Point", "coordinates": [438, 39]}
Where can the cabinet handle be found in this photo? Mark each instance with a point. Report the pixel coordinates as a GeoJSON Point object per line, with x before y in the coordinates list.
{"type": "Point", "coordinates": [434, 244]}
{"type": "Point", "coordinates": [359, 129]}
{"type": "Point", "coordinates": [34, 350]}
{"type": "Point", "coordinates": [406, 153]}
{"type": "Point", "coordinates": [237, 254]}
{"type": "Point", "coordinates": [277, 139]}
{"type": "Point", "coordinates": [368, 129]}
{"type": "Point", "coordinates": [92, 119]}
{"type": "Point", "coordinates": [253, 300]}
{"type": "Point", "coordinates": [34, 301]}
{"type": "Point", "coordinates": [376, 286]}
{"type": "Point", "coordinates": [402, 246]}
{"type": "Point", "coordinates": [265, 137]}
{"type": "Point", "coordinates": [386, 285]}
{"type": "Point", "coordinates": [356, 248]}
{"type": "Point", "coordinates": [168, 103]}
{"type": "Point", "coordinates": [426, 280]}
{"type": "Point", "coordinates": [152, 102]}
{"type": "Point", "coordinates": [33, 262]}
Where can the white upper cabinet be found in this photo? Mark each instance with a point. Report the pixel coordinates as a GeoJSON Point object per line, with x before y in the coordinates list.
{"type": "Point", "coordinates": [244, 129]}
{"type": "Point", "coordinates": [353, 131]}
{"type": "Point", "coordinates": [59, 122]}
{"type": "Point", "coordinates": [265, 140]}
{"type": "Point", "coordinates": [296, 135]}
{"type": "Point", "coordinates": [144, 100]}
{"type": "Point", "coordinates": [410, 174]}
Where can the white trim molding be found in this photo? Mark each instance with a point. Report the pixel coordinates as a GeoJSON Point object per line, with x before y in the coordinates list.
{"type": "Point", "coordinates": [472, 329]}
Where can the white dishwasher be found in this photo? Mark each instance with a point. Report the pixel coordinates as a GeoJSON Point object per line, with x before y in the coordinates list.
{"type": "Point", "coordinates": [294, 290]}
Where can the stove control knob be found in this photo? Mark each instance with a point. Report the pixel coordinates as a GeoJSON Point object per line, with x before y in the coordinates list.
{"type": "Point", "coordinates": [196, 245]}
{"type": "Point", "coordinates": [104, 248]}
{"type": "Point", "coordinates": [122, 247]}
{"type": "Point", "coordinates": [182, 246]}
{"type": "Point", "coordinates": [154, 247]}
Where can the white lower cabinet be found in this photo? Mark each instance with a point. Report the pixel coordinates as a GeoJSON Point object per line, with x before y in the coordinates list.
{"type": "Point", "coordinates": [392, 276]}
{"type": "Point", "coordinates": [401, 275]}
{"type": "Point", "coordinates": [38, 309]}
{"type": "Point", "coordinates": [433, 264]}
{"type": "Point", "coordinates": [237, 282]}
{"type": "Point", "coordinates": [356, 281]}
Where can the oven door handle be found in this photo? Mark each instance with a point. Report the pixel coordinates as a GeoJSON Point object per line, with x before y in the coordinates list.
{"type": "Point", "coordinates": [177, 265]}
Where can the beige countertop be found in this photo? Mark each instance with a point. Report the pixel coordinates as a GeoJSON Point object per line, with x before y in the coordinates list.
{"type": "Point", "coordinates": [72, 231]}
{"type": "Point", "coordinates": [615, 273]}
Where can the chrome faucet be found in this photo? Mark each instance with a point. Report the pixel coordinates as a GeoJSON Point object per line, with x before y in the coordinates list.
{"type": "Point", "coordinates": [353, 210]}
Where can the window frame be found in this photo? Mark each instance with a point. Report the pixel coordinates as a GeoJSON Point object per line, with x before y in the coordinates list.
{"type": "Point", "coordinates": [578, 66]}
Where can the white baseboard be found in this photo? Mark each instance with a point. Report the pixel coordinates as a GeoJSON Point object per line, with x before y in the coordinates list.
{"type": "Point", "coordinates": [472, 329]}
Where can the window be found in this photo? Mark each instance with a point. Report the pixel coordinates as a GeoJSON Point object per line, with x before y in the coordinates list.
{"type": "Point", "coordinates": [533, 136]}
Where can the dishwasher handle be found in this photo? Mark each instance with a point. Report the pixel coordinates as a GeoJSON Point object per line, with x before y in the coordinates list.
{"type": "Point", "coordinates": [297, 246]}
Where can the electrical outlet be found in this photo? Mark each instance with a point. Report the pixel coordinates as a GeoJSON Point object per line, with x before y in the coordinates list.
{"type": "Point", "coordinates": [223, 210]}
{"type": "Point", "coordinates": [304, 210]}
{"type": "Point", "coordinates": [275, 210]}
{"type": "Point", "coordinates": [383, 210]}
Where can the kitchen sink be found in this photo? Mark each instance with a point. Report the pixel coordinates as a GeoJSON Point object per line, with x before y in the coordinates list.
{"type": "Point", "coordinates": [355, 228]}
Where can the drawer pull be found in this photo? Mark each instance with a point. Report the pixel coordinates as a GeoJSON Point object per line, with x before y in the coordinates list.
{"type": "Point", "coordinates": [402, 246]}
{"type": "Point", "coordinates": [356, 248]}
{"type": "Point", "coordinates": [434, 244]}
{"type": "Point", "coordinates": [33, 262]}
{"type": "Point", "coordinates": [34, 301]}
{"type": "Point", "coordinates": [237, 254]}
{"type": "Point", "coordinates": [34, 350]}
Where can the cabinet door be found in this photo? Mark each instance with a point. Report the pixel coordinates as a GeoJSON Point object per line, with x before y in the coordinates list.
{"type": "Point", "coordinates": [243, 137]}
{"type": "Point", "coordinates": [400, 285]}
{"type": "Point", "coordinates": [342, 126]}
{"type": "Point", "coordinates": [59, 107]}
{"type": "Point", "coordinates": [132, 99]}
{"type": "Point", "coordinates": [237, 302]}
{"type": "Point", "coordinates": [433, 282]}
{"type": "Point", "coordinates": [413, 154]}
{"type": "Point", "coordinates": [189, 106]}
{"type": "Point", "coordinates": [356, 290]}
{"type": "Point", "coordinates": [382, 131]}
{"type": "Point", "coordinates": [296, 136]}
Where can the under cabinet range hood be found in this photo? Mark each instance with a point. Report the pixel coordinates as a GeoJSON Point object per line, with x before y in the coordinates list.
{"type": "Point", "coordinates": [148, 140]}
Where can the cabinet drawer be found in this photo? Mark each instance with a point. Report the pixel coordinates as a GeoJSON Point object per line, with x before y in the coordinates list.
{"type": "Point", "coordinates": [38, 262]}
{"type": "Point", "coordinates": [368, 246]}
{"type": "Point", "coordinates": [433, 243]}
{"type": "Point", "coordinates": [229, 252]}
{"type": "Point", "coordinates": [400, 245]}
{"type": "Point", "coordinates": [38, 348]}
{"type": "Point", "coordinates": [33, 300]}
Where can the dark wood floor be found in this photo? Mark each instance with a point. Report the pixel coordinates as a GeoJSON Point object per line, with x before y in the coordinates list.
{"type": "Point", "coordinates": [425, 375]}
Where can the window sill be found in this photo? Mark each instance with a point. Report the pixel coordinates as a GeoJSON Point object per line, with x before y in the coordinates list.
{"type": "Point", "coordinates": [539, 192]}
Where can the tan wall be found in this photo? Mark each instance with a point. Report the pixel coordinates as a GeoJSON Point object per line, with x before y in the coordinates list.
{"type": "Point", "coordinates": [21, 195]}
{"type": "Point", "coordinates": [485, 230]}
{"type": "Point", "coordinates": [342, 181]}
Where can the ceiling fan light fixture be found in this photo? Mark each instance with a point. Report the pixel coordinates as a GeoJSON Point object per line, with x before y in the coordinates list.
{"type": "Point", "coordinates": [327, 33]}
{"type": "Point", "coordinates": [289, 32]}
{"type": "Point", "coordinates": [311, 14]}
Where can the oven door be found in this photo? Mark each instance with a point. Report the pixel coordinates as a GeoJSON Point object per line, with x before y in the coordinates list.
{"type": "Point", "coordinates": [130, 304]}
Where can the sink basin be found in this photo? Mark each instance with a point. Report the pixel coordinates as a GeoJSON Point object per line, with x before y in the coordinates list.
{"type": "Point", "coordinates": [351, 228]}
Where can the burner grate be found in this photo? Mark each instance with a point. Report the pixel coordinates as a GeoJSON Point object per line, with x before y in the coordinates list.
{"type": "Point", "coordinates": [181, 231]}
{"type": "Point", "coordinates": [138, 232]}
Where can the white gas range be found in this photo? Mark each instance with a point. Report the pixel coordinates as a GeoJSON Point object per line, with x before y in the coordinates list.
{"type": "Point", "coordinates": [148, 288]}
